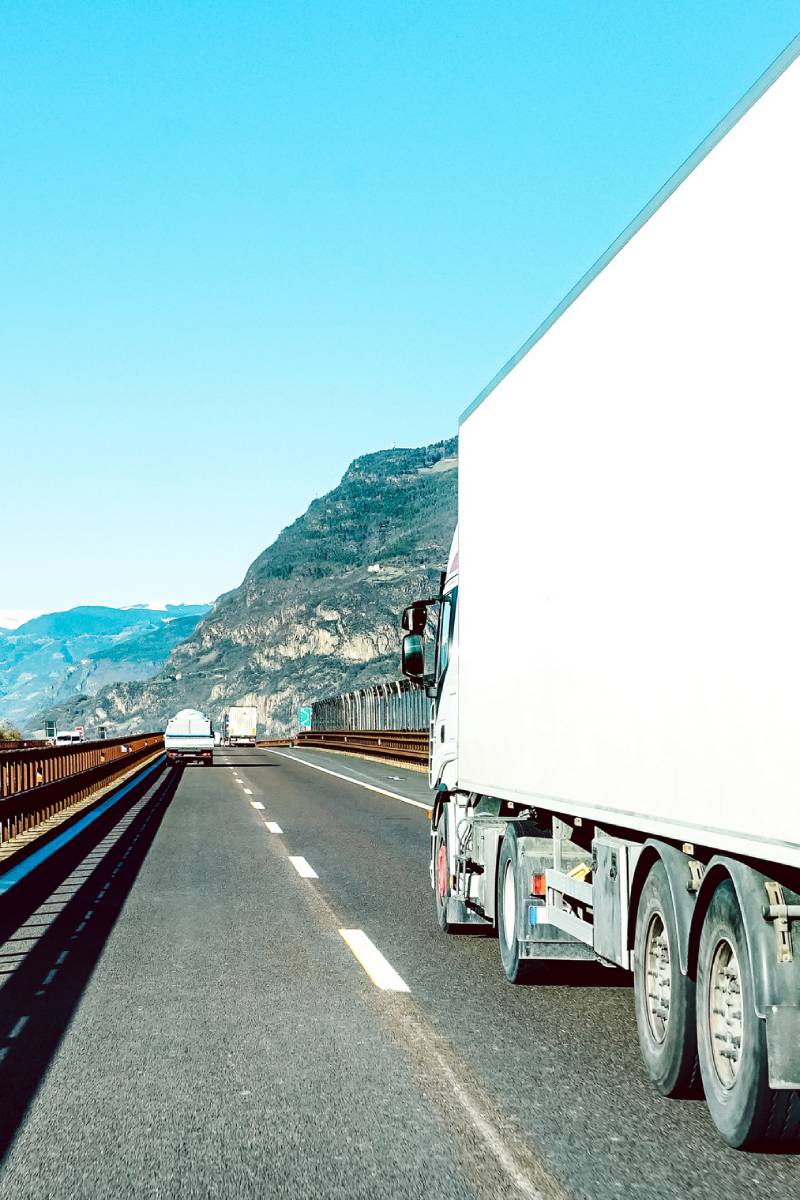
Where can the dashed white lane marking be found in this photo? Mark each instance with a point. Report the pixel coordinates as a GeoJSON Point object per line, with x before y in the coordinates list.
{"type": "Point", "coordinates": [255, 803]}
{"type": "Point", "coordinates": [302, 867]}
{"type": "Point", "coordinates": [273, 827]}
{"type": "Point", "coordinates": [248, 791]}
{"type": "Point", "coordinates": [380, 971]}
{"type": "Point", "coordinates": [371, 787]}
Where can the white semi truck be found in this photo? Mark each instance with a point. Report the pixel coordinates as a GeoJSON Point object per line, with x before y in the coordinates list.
{"type": "Point", "coordinates": [241, 725]}
{"type": "Point", "coordinates": [615, 736]}
{"type": "Point", "coordinates": [189, 737]}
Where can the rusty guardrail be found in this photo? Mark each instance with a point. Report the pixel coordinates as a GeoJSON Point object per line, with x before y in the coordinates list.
{"type": "Point", "coordinates": [404, 745]}
{"type": "Point", "coordinates": [24, 744]}
{"type": "Point", "coordinates": [37, 784]}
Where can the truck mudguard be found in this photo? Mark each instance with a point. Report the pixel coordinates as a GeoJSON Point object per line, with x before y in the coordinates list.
{"type": "Point", "coordinates": [776, 984]}
{"type": "Point", "coordinates": [679, 877]}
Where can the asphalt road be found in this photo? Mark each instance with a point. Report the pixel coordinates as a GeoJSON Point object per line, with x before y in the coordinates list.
{"type": "Point", "coordinates": [180, 1016]}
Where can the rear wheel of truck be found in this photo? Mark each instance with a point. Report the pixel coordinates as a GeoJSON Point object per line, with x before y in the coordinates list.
{"type": "Point", "coordinates": [664, 998]}
{"type": "Point", "coordinates": [517, 969]}
{"type": "Point", "coordinates": [441, 874]}
{"type": "Point", "coordinates": [732, 1040]}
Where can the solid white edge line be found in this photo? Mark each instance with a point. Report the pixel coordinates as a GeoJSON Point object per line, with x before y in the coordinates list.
{"type": "Point", "coordinates": [370, 787]}
{"type": "Point", "coordinates": [304, 870]}
{"type": "Point", "coordinates": [273, 827]}
{"type": "Point", "coordinates": [380, 971]}
{"type": "Point", "coordinates": [256, 803]}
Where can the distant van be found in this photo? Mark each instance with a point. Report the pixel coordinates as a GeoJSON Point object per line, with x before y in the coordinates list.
{"type": "Point", "coordinates": [69, 737]}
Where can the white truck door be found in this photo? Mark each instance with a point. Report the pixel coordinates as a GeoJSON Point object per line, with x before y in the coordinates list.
{"type": "Point", "coordinates": [444, 733]}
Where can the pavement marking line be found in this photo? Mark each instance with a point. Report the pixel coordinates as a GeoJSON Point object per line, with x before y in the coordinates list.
{"type": "Point", "coordinates": [380, 971]}
{"type": "Point", "coordinates": [523, 1169]}
{"type": "Point", "coordinates": [302, 867]}
{"type": "Point", "coordinates": [488, 1139]}
{"type": "Point", "coordinates": [370, 787]}
{"type": "Point", "coordinates": [248, 791]}
{"type": "Point", "coordinates": [255, 803]}
{"type": "Point", "coordinates": [273, 827]}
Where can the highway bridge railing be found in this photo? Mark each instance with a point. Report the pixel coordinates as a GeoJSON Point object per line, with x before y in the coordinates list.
{"type": "Point", "coordinates": [398, 704]}
{"type": "Point", "coordinates": [40, 783]}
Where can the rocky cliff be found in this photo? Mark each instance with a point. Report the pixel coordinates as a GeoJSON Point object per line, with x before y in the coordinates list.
{"type": "Point", "coordinates": [317, 613]}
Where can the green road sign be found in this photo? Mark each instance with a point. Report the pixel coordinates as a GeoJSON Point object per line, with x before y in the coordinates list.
{"type": "Point", "coordinates": [304, 716]}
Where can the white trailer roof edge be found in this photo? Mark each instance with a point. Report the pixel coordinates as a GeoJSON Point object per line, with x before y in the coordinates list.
{"type": "Point", "coordinates": [742, 106]}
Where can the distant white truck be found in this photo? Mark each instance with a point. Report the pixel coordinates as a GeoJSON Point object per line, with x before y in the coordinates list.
{"type": "Point", "coordinates": [615, 704]}
{"type": "Point", "coordinates": [189, 737]}
{"type": "Point", "coordinates": [69, 737]}
{"type": "Point", "coordinates": [242, 724]}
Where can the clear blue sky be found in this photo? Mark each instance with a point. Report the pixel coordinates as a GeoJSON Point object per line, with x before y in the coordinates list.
{"type": "Point", "coordinates": [243, 243]}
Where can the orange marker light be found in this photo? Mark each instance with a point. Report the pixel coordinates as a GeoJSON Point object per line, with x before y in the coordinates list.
{"type": "Point", "coordinates": [538, 885]}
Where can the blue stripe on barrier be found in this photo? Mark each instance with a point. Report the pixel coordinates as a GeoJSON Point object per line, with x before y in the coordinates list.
{"type": "Point", "coordinates": [34, 860]}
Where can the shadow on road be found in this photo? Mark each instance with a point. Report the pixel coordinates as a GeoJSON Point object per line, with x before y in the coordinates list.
{"type": "Point", "coordinates": [243, 762]}
{"type": "Point", "coordinates": [579, 974]}
{"type": "Point", "coordinates": [71, 907]}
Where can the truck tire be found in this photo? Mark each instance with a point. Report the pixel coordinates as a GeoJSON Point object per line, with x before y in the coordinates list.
{"type": "Point", "coordinates": [664, 998]}
{"type": "Point", "coordinates": [517, 969]}
{"type": "Point", "coordinates": [441, 874]}
{"type": "Point", "coordinates": [732, 1040]}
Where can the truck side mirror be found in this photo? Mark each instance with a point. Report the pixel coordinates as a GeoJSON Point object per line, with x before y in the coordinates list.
{"type": "Point", "coordinates": [413, 656]}
{"type": "Point", "coordinates": [415, 617]}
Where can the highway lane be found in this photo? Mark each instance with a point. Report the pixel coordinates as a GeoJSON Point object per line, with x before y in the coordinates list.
{"type": "Point", "coordinates": [216, 1037]}
{"type": "Point", "coordinates": [212, 1034]}
{"type": "Point", "coordinates": [558, 1060]}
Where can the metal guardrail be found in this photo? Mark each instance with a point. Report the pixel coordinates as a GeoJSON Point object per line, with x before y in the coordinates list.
{"type": "Point", "coordinates": [403, 745]}
{"type": "Point", "coordinates": [399, 704]}
{"type": "Point", "coordinates": [24, 744]}
{"type": "Point", "coordinates": [39, 783]}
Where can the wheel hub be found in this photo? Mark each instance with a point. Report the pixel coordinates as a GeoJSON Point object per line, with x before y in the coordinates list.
{"type": "Point", "coordinates": [725, 1013]}
{"type": "Point", "coordinates": [658, 977]}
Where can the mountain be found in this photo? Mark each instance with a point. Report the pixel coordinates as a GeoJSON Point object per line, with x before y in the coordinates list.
{"type": "Point", "coordinates": [55, 656]}
{"type": "Point", "coordinates": [317, 612]}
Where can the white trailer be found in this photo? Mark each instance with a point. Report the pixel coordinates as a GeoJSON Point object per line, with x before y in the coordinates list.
{"type": "Point", "coordinates": [242, 722]}
{"type": "Point", "coordinates": [616, 732]}
{"type": "Point", "coordinates": [189, 737]}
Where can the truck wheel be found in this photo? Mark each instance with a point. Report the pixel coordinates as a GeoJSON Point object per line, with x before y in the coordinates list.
{"type": "Point", "coordinates": [664, 998]}
{"type": "Point", "coordinates": [732, 1041]}
{"type": "Point", "coordinates": [517, 969]}
{"type": "Point", "coordinates": [441, 874]}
